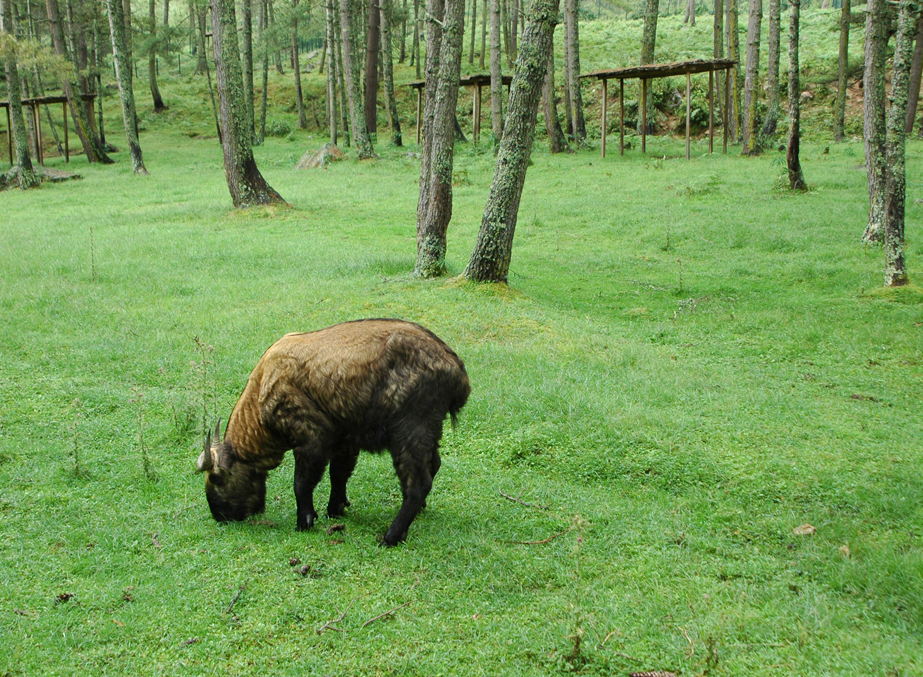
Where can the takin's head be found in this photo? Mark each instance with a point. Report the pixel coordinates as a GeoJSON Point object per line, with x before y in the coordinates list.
{"type": "Point", "coordinates": [234, 489]}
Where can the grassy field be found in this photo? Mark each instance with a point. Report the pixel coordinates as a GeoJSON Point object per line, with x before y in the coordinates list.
{"type": "Point", "coordinates": [689, 364]}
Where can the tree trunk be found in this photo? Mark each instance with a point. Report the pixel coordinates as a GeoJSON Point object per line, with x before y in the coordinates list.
{"type": "Point", "coordinates": [434, 208]}
{"type": "Point", "coordinates": [357, 123]}
{"type": "Point", "coordinates": [916, 69]}
{"type": "Point", "coordinates": [749, 145]}
{"type": "Point", "coordinates": [296, 66]}
{"type": "Point", "coordinates": [247, 186]}
{"type": "Point", "coordinates": [91, 145]}
{"type": "Point", "coordinates": [474, 23]}
{"type": "Point", "coordinates": [387, 63]}
{"type": "Point", "coordinates": [718, 47]}
{"type": "Point", "coordinates": [895, 270]}
{"type": "Point", "coordinates": [873, 107]}
{"type": "Point", "coordinates": [490, 261]}
{"type": "Point", "coordinates": [126, 95]}
{"type": "Point", "coordinates": [201, 54]}
{"type": "Point", "coordinates": [690, 13]}
{"type": "Point", "coordinates": [202, 9]}
{"type": "Point", "coordinates": [341, 79]}
{"type": "Point", "coordinates": [496, 73]}
{"type": "Point", "coordinates": [276, 54]}
{"type": "Point", "coordinates": [649, 36]}
{"type": "Point", "coordinates": [415, 47]}
{"type": "Point", "coordinates": [330, 16]}
{"type": "Point", "coordinates": [262, 25]}
{"type": "Point", "coordinates": [246, 11]}
{"type": "Point", "coordinates": [772, 70]}
{"type": "Point", "coordinates": [839, 115]}
{"type": "Point", "coordinates": [733, 38]}
{"type": "Point", "coordinates": [795, 175]}
{"type": "Point", "coordinates": [403, 53]}
{"type": "Point", "coordinates": [20, 140]}
{"type": "Point", "coordinates": [483, 34]}
{"type": "Point", "coordinates": [371, 68]}
{"type": "Point", "coordinates": [159, 105]}
{"type": "Point", "coordinates": [557, 141]}
{"type": "Point", "coordinates": [572, 54]}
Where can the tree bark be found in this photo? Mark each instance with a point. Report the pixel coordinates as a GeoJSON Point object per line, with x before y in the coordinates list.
{"type": "Point", "coordinates": [387, 63]}
{"type": "Point", "coordinates": [474, 23]}
{"type": "Point", "coordinates": [557, 141]}
{"type": "Point", "coordinates": [690, 13]}
{"type": "Point", "coordinates": [772, 69]}
{"type": "Point", "coordinates": [263, 39]}
{"type": "Point", "coordinates": [159, 105]}
{"type": "Point", "coordinates": [496, 73]}
{"type": "Point", "coordinates": [247, 186]}
{"type": "Point", "coordinates": [201, 54]}
{"type": "Point", "coordinates": [795, 175]}
{"type": "Point", "coordinates": [733, 39]}
{"type": "Point", "coordinates": [572, 51]}
{"type": "Point", "coordinates": [749, 144]}
{"type": "Point", "coordinates": [22, 158]}
{"type": "Point", "coordinates": [483, 34]}
{"type": "Point", "coordinates": [371, 68]}
{"type": "Point", "coordinates": [126, 95]}
{"type": "Point", "coordinates": [330, 16]}
{"type": "Point", "coordinates": [246, 11]}
{"type": "Point", "coordinates": [718, 47]}
{"type": "Point", "coordinates": [493, 250]}
{"type": "Point", "coordinates": [839, 115]}
{"type": "Point", "coordinates": [296, 66]}
{"type": "Point", "coordinates": [895, 269]}
{"type": "Point", "coordinates": [875, 135]}
{"type": "Point", "coordinates": [649, 35]}
{"type": "Point", "coordinates": [916, 70]}
{"type": "Point", "coordinates": [434, 207]}
{"type": "Point", "coordinates": [357, 123]}
{"type": "Point", "coordinates": [91, 145]}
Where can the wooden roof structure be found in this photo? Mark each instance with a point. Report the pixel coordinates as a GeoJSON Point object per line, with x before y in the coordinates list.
{"type": "Point", "coordinates": [477, 83]}
{"type": "Point", "coordinates": [33, 105]}
{"type": "Point", "coordinates": [665, 70]}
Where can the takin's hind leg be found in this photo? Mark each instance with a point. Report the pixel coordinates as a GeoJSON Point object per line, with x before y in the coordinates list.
{"type": "Point", "coordinates": [309, 468]}
{"type": "Point", "coordinates": [416, 483]}
{"type": "Point", "coordinates": [342, 464]}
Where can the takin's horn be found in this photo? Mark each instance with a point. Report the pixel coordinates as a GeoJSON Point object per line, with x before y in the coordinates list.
{"type": "Point", "coordinates": [218, 431]}
{"type": "Point", "coordinates": [206, 460]}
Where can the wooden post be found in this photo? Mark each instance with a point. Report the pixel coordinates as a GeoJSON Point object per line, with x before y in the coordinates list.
{"type": "Point", "coordinates": [724, 108]}
{"type": "Point", "coordinates": [9, 133]}
{"type": "Point", "coordinates": [621, 116]}
{"type": "Point", "coordinates": [688, 110]}
{"type": "Point", "coordinates": [38, 133]}
{"type": "Point", "coordinates": [419, 111]}
{"type": "Point", "coordinates": [476, 112]}
{"type": "Point", "coordinates": [605, 103]}
{"type": "Point", "coordinates": [67, 152]}
{"type": "Point", "coordinates": [711, 112]}
{"type": "Point", "coordinates": [643, 115]}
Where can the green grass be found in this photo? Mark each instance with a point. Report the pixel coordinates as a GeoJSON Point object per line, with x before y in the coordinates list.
{"type": "Point", "coordinates": [689, 363]}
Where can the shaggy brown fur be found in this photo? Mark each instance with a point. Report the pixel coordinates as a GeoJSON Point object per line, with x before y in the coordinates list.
{"type": "Point", "coordinates": [368, 384]}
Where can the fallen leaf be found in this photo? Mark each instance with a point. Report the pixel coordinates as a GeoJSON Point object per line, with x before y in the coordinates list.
{"type": "Point", "coordinates": [845, 551]}
{"type": "Point", "coordinates": [333, 528]}
{"type": "Point", "coordinates": [804, 530]}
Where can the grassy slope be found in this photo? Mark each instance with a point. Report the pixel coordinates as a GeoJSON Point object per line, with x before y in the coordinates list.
{"type": "Point", "coordinates": [690, 364]}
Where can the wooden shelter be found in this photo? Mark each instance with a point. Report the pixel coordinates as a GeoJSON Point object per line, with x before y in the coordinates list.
{"type": "Point", "coordinates": [665, 70]}
{"type": "Point", "coordinates": [33, 106]}
{"type": "Point", "coordinates": [477, 83]}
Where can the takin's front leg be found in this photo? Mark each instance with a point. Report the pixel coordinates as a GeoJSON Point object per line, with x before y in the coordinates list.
{"type": "Point", "coordinates": [309, 468]}
{"type": "Point", "coordinates": [342, 464]}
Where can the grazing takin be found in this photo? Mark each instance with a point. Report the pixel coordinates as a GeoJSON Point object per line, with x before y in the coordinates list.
{"type": "Point", "coordinates": [327, 394]}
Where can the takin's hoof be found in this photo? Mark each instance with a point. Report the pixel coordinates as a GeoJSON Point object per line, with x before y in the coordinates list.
{"type": "Point", "coordinates": [337, 510]}
{"type": "Point", "coordinates": [389, 541]}
{"type": "Point", "coordinates": [306, 523]}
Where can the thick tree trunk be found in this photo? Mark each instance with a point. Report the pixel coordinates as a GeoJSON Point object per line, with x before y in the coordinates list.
{"type": "Point", "coordinates": [330, 16]}
{"type": "Point", "coordinates": [795, 175]}
{"type": "Point", "coordinates": [22, 158]}
{"type": "Point", "coordinates": [649, 35]}
{"type": "Point", "coordinates": [750, 145]}
{"type": "Point", "coordinates": [916, 70]}
{"type": "Point", "coordinates": [895, 269]}
{"type": "Point", "coordinates": [126, 95]}
{"type": "Point", "coordinates": [557, 141]}
{"type": "Point", "coordinates": [496, 73]}
{"type": "Point", "coordinates": [371, 68]}
{"type": "Point", "coordinates": [873, 107]}
{"type": "Point", "coordinates": [91, 145]}
{"type": "Point", "coordinates": [572, 54]}
{"type": "Point", "coordinates": [434, 207]}
{"type": "Point", "coordinates": [387, 67]}
{"type": "Point", "coordinates": [490, 261]}
{"type": "Point", "coordinates": [772, 69]}
{"type": "Point", "coordinates": [247, 186]}
{"type": "Point", "coordinates": [360, 133]}
{"type": "Point", "coordinates": [839, 115]}
{"type": "Point", "coordinates": [296, 66]}
{"type": "Point", "coordinates": [159, 105]}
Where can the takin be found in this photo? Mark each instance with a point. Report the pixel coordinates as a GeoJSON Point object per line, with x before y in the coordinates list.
{"type": "Point", "coordinates": [364, 385]}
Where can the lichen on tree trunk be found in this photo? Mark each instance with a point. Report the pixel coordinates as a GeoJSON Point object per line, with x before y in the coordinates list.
{"type": "Point", "coordinates": [749, 144]}
{"type": "Point", "coordinates": [247, 186]}
{"type": "Point", "coordinates": [27, 176]}
{"type": "Point", "coordinates": [492, 254]}
{"type": "Point", "coordinates": [874, 116]}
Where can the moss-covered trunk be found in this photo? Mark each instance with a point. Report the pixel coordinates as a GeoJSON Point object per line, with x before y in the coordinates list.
{"type": "Point", "coordinates": [126, 94]}
{"type": "Point", "coordinates": [247, 186]}
{"type": "Point", "coordinates": [490, 261]}
{"type": "Point", "coordinates": [916, 70]}
{"type": "Point", "coordinates": [839, 116]}
{"type": "Point", "coordinates": [557, 141]}
{"type": "Point", "coordinates": [895, 190]}
{"type": "Point", "coordinates": [874, 115]}
{"type": "Point", "coordinates": [332, 66]}
{"type": "Point", "coordinates": [387, 69]}
{"type": "Point", "coordinates": [360, 133]}
{"type": "Point", "coordinates": [246, 56]}
{"type": "Point", "coordinates": [772, 68]}
{"type": "Point", "coordinates": [434, 207]}
{"type": "Point", "coordinates": [496, 73]}
{"type": "Point", "coordinates": [22, 158]}
{"type": "Point", "coordinates": [793, 157]}
{"type": "Point", "coordinates": [372, 47]}
{"type": "Point", "coordinates": [749, 143]}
